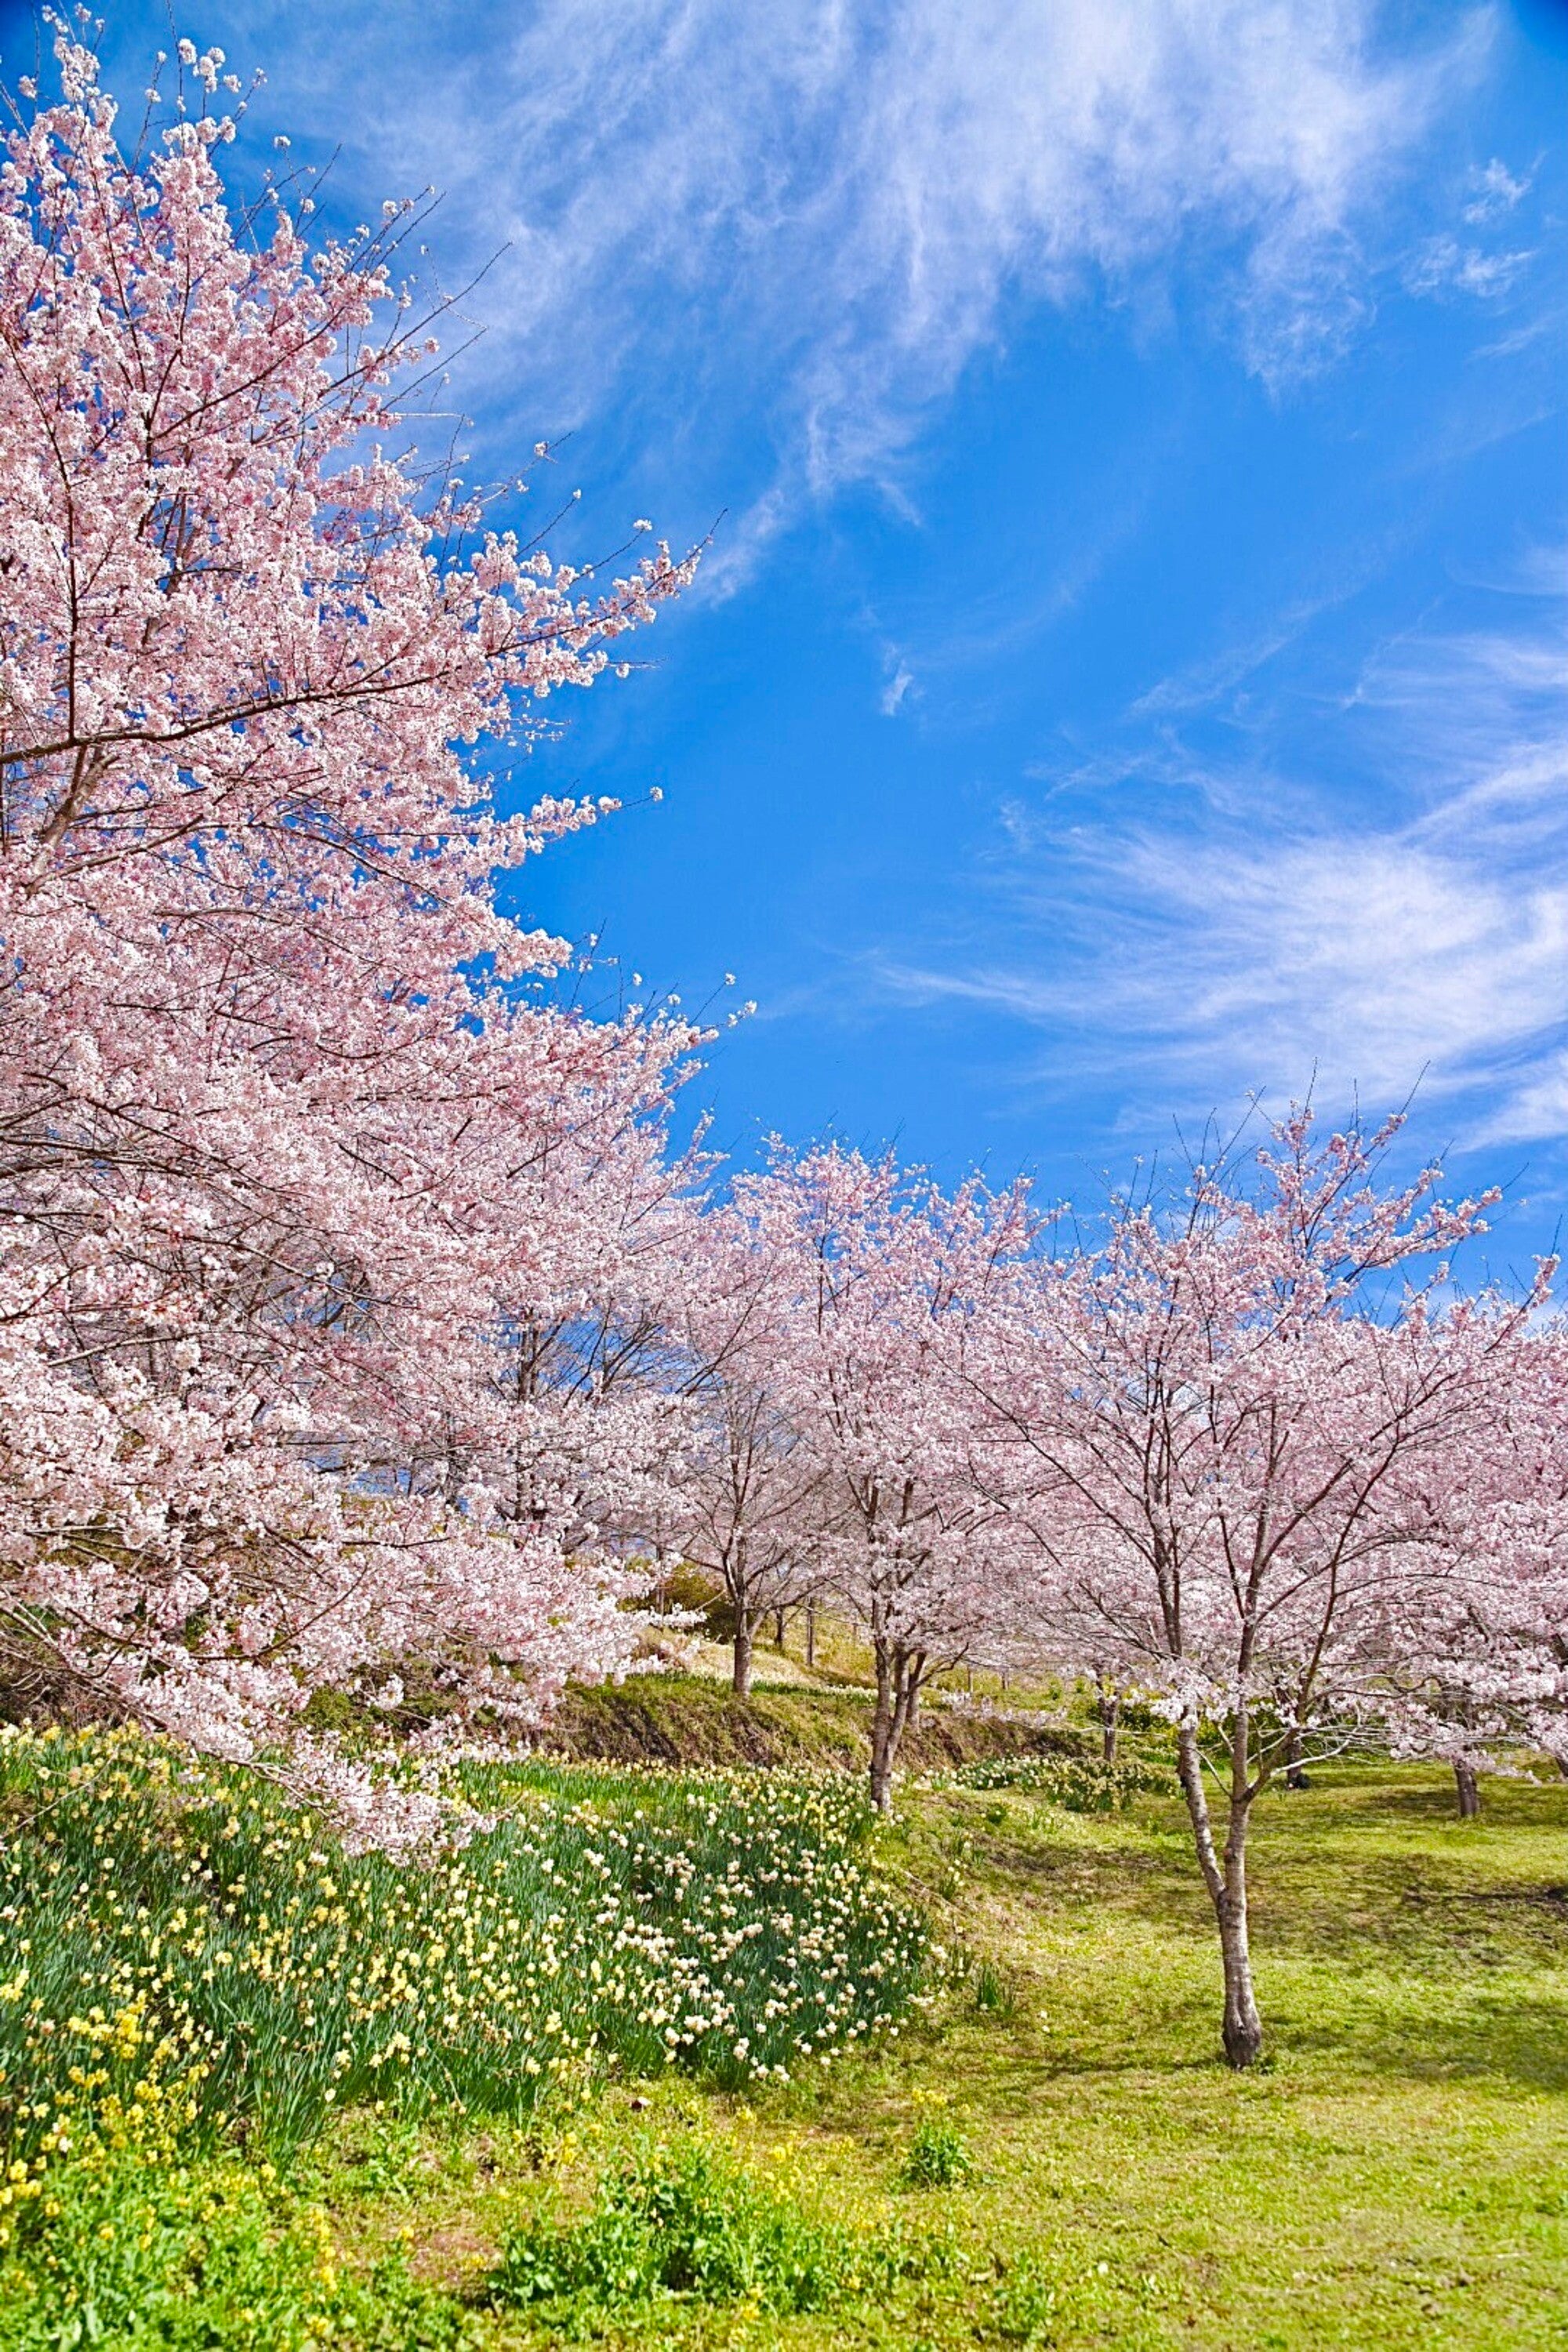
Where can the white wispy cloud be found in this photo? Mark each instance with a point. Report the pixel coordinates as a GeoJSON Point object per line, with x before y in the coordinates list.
{"type": "Point", "coordinates": [1443, 263]}
{"type": "Point", "coordinates": [1465, 263]}
{"type": "Point", "coordinates": [1286, 937]}
{"type": "Point", "coordinates": [1496, 190]}
{"type": "Point", "coordinates": [841, 200]}
{"type": "Point", "coordinates": [1372, 962]}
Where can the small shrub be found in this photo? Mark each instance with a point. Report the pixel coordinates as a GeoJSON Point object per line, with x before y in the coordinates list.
{"type": "Point", "coordinates": [687, 2224]}
{"type": "Point", "coordinates": [1028, 2304]}
{"type": "Point", "coordinates": [691, 1593]}
{"type": "Point", "coordinates": [937, 2158]}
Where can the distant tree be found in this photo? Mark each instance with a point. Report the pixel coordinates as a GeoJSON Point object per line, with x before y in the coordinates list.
{"type": "Point", "coordinates": [1485, 1674]}
{"type": "Point", "coordinates": [877, 1277]}
{"type": "Point", "coordinates": [1108, 1697]}
{"type": "Point", "coordinates": [751, 1491]}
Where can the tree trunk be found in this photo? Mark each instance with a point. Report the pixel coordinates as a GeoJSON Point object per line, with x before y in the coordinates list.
{"type": "Point", "coordinates": [1469, 1788]}
{"type": "Point", "coordinates": [811, 1636]}
{"type": "Point", "coordinates": [890, 1719]}
{"type": "Point", "coordinates": [882, 1741]}
{"type": "Point", "coordinates": [1110, 1704]}
{"type": "Point", "coordinates": [742, 1677]}
{"type": "Point", "coordinates": [1294, 1778]}
{"type": "Point", "coordinates": [778, 1628]}
{"type": "Point", "coordinates": [1225, 1879]}
{"type": "Point", "coordinates": [1243, 2028]}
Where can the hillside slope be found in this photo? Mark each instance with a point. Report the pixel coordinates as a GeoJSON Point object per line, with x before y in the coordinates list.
{"type": "Point", "coordinates": [684, 1719]}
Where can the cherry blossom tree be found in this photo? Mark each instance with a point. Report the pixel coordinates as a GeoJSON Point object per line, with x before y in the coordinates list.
{"type": "Point", "coordinates": [295, 1141]}
{"type": "Point", "coordinates": [751, 1491]}
{"type": "Point", "coordinates": [1231, 1440]}
{"type": "Point", "coordinates": [1526, 1590]}
{"type": "Point", "coordinates": [1483, 1681]}
{"type": "Point", "coordinates": [877, 1277]}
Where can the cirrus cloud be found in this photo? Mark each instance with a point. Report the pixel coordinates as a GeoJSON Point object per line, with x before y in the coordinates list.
{"type": "Point", "coordinates": [839, 204]}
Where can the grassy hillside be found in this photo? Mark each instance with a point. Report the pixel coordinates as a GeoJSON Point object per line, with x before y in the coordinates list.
{"type": "Point", "coordinates": [680, 1720]}
{"type": "Point", "coordinates": [1396, 2176]}
{"type": "Point", "coordinates": [1050, 2154]}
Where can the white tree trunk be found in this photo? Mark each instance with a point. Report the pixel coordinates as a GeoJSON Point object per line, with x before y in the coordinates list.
{"type": "Point", "coordinates": [1226, 1878]}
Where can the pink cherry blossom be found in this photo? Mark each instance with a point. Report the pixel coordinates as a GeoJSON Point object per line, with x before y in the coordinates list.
{"type": "Point", "coordinates": [312, 1192]}
{"type": "Point", "coordinates": [876, 1278]}
{"type": "Point", "coordinates": [1236, 1444]}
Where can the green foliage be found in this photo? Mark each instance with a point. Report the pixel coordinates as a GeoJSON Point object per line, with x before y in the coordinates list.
{"type": "Point", "coordinates": [679, 2224]}
{"type": "Point", "coordinates": [993, 1992]}
{"type": "Point", "coordinates": [691, 1590]}
{"type": "Point", "coordinates": [689, 2225]}
{"type": "Point", "coordinates": [937, 2157]}
{"type": "Point", "coordinates": [1027, 2307]}
{"type": "Point", "coordinates": [1136, 1715]}
{"type": "Point", "coordinates": [720, 1921]}
{"type": "Point", "coordinates": [131, 2244]}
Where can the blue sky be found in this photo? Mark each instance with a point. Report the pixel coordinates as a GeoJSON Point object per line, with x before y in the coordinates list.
{"type": "Point", "coordinates": [1129, 670]}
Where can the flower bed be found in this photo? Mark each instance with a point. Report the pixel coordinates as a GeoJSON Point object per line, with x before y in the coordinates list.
{"type": "Point", "coordinates": [151, 1911]}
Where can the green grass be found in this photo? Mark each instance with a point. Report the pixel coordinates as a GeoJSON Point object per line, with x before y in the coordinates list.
{"type": "Point", "coordinates": [1056, 2156]}
{"type": "Point", "coordinates": [1080, 1783]}
{"type": "Point", "coordinates": [1395, 2177]}
{"type": "Point", "coordinates": [1398, 2176]}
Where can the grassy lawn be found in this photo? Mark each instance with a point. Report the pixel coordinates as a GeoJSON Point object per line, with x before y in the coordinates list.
{"type": "Point", "coordinates": [1048, 2153]}
{"type": "Point", "coordinates": [1398, 2175]}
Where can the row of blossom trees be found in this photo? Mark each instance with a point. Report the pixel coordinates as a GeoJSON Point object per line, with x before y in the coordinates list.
{"type": "Point", "coordinates": [358, 1315]}
{"type": "Point", "coordinates": [1245, 1452]}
